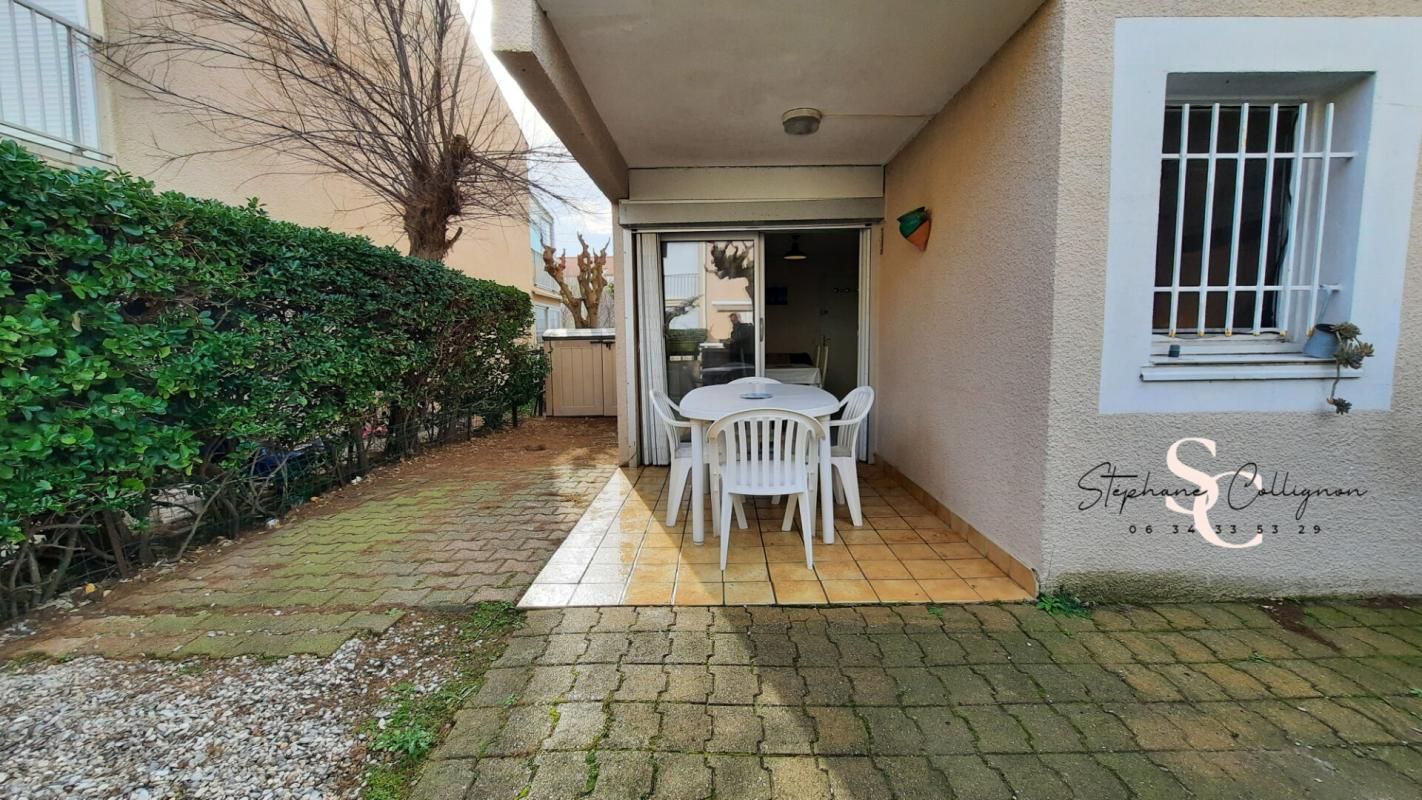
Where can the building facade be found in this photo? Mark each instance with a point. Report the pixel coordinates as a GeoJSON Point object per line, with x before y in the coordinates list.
{"type": "Point", "coordinates": [1143, 213]}
{"type": "Point", "coordinates": [55, 102]}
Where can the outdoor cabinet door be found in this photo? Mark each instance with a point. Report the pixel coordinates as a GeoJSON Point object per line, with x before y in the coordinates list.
{"type": "Point", "coordinates": [609, 379]}
{"type": "Point", "coordinates": [577, 379]}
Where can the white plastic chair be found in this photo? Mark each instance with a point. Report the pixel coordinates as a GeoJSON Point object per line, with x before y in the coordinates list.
{"type": "Point", "coordinates": [680, 450]}
{"type": "Point", "coordinates": [767, 452]}
{"type": "Point", "coordinates": [844, 455]}
{"type": "Point", "coordinates": [753, 379]}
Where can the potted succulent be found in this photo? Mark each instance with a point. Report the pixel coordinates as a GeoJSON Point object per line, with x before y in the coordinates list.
{"type": "Point", "coordinates": [1348, 351]}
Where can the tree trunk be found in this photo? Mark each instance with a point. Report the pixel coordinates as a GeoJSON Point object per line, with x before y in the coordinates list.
{"type": "Point", "coordinates": [427, 238]}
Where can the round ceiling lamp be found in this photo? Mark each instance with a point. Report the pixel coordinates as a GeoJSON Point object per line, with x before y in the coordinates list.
{"type": "Point", "coordinates": [801, 121]}
{"type": "Point", "coordinates": [795, 253]}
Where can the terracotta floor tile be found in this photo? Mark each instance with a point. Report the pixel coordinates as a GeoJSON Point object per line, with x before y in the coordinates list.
{"type": "Point", "coordinates": [745, 554]}
{"type": "Point", "coordinates": [906, 552]}
{"type": "Point", "coordinates": [791, 571]}
{"type": "Point", "coordinates": [799, 592]}
{"type": "Point", "coordinates": [899, 591]}
{"type": "Point", "coordinates": [932, 569]}
{"type": "Point", "coordinates": [849, 592]}
{"type": "Point", "coordinates": [648, 594]}
{"type": "Point", "coordinates": [925, 522]}
{"type": "Point", "coordinates": [651, 571]}
{"type": "Point", "coordinates": [998, 590]}
{"type": "Point", "coordinates": [883, 569]}
{"type": "Point", "coordinates": [831, 552]}
{"type": "Point", "coordinates": [547, 595]}
{"type": "Point", "coordinates": [889, 523]}
{"type": "Point", "coordinates": [621, 540]}
{"type": "Point", "coordinates": [837, 570]}
{"type": "Point", "coordinates": [757, 593]}
{"type": "Point", "coordinates": [748, 572]}
{"type": "Point", "coordinates": [975, 568]}
{"type": "Point", "coordinates": [607, 573]}
{"type": "Point", "coordinates": [596, 594]}
{"type": "Point", "coordinates": [659, 555]}
{"type": "Point", "coordinates": [871, 552]}
{"type": "Point", "coordinates": [859, 537]}
{"type": "Point", "coordinates": [662, 540]}
{"type": "Point", "coordinates": [900, 537]}
{"type": "Point", "coordinates": [706, 573]}
{"type": "Point", "coordinates": [949, 591]}
{"type": "Point", "coordinates": [703, 553]}
{"type": "Point", "coordinates": [696, 593]}
{"type": "Point", "coordinates": [955, 550]}
{"type": "Point", "coordinates": [788, 553]}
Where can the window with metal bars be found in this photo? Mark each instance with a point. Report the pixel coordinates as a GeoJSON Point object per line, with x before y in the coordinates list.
{"type": "Point", "coordinates": [1244, 191]}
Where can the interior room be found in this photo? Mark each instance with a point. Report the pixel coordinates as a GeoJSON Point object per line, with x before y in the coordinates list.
{"type": "Point", "coordinates": [812, 304]}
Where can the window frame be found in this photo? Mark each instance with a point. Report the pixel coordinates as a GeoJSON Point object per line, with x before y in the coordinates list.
{"type": "Point", "coordinates": [1152, 53]}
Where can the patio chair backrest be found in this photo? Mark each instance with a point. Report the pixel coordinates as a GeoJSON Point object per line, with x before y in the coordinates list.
{"type": "Point", "coordinates": [666, 412]}
{"type": "Point", "coordinates": [767, 451]}
{"type": "Point", "coordinates": [753, 379]}
{"type": "Point", "coordinates": [856, 407]}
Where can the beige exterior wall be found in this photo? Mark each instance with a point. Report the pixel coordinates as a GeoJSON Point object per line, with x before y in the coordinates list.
{"type": "Point", "coordinates": [961, 338]}
{"type": "Point", "coordinates": [141, 137]}
{"type": "Point", "coordinates": [1368, 545]}
{"type": "Point", "coordinates": [988, 347]}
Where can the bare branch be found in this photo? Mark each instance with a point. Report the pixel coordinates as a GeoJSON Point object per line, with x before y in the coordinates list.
{"type": "Point", "coordinates": [387, 93]}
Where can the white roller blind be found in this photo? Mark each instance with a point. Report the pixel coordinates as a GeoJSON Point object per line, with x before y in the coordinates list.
{"type": "Point", "coordinates": [46, 76]}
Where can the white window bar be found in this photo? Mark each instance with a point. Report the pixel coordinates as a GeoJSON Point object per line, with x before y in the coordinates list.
{"type": "Point", "coordinates": [1179, 218]}
{"type": "Point", "coordinates": [1264, 222]}
{"type": "Point", "coordinates": [1300, 268]}
{"type": "Point", "coordinates": [1239, 165]}
{"type": "Point", "coordinates": [1209, 217]}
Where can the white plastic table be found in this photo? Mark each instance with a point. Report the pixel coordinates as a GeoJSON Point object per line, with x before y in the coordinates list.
{"type": "Point", "coordinates": [710, 403]}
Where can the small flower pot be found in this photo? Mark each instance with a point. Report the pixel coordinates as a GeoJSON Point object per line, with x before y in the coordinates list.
{"type": "Point", "coordinates": [1322, 343]}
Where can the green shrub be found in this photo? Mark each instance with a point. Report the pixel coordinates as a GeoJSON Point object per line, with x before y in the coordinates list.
{"type": "Point", "coordinates": [155, 346]}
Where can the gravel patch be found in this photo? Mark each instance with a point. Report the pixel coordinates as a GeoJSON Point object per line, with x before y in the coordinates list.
{"type": "Point", "coordinates": [238, 728]}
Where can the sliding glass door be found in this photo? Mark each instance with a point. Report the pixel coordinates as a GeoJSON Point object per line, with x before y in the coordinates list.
{"type": "Point", "coordinates": [710, 313]}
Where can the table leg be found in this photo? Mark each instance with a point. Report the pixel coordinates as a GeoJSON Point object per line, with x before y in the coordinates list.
{"type": "Point", "coordinates": [826, 491]}
{"type": "Point", "coordinates": [698, 480]}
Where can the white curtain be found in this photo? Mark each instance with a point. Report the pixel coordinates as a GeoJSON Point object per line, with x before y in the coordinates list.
{"type": "Point", "coordinates": [651, 345]}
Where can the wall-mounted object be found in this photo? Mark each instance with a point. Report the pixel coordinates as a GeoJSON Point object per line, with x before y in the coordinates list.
{"type": "Point", "coordinates": [916, 226]}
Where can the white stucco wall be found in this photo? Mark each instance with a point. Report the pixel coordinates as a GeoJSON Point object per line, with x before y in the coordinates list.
{"type": "Point", "coordinates": [1368, 544]}
{"type": "Point", "coordinates": [961, 339]}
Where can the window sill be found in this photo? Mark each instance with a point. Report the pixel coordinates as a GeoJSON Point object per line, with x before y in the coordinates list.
{"type": "Point", "coordinates": [1239, 367]}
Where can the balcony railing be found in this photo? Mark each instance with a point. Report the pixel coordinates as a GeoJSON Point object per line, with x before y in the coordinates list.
{"type": "Point", "coordinates": [47, 84]}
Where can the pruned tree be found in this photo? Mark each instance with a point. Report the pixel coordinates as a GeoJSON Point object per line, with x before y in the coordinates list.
{"type": "Point", "coordinates": [391, 94]}
{"type": "Point", "coordinates": [732, 260]}
{"type": "Point", "coordinates": [591, 281]}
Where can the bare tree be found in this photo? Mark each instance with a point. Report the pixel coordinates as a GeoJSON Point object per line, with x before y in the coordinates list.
{"type": "Point", "coordinates": [592, 281]}
{"type": "Point", "coordinates": [391, 94]}
{"type": "Point", "coordinates": [732, 261]}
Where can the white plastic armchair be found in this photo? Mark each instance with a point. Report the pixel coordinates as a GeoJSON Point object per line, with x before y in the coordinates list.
{"type": "Point", "coordinates": [767, 452]}
{"type": "Point", "coordinates": [844, 455]}
{"type": "Point", "coordinates": [667, 412]}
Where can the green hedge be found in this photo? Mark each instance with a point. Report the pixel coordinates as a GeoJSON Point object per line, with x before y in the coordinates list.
{"type": "Point", "coordinates": [151, 341]}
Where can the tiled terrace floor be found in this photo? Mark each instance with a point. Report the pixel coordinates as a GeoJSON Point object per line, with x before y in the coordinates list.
{"type": "Point", "coordinates": [622, 553]}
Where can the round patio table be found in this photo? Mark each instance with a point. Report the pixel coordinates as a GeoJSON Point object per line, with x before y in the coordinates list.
{"type": "Point", "coordinates": [709, 403]}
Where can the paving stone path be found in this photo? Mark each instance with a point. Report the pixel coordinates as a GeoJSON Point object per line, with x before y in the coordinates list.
{"type": "Point", "coordinates": [463, 524]}
{"type": "Point", "coordinates": [985, 701]}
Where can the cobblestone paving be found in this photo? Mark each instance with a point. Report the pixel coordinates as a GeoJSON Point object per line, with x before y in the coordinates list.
{"type": "Point", "coordinates": [985, 701]}
{"type": "Point", "coordinates": [466, 523]}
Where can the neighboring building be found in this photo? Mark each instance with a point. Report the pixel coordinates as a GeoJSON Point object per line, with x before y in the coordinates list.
{"type": "Point", "coordinates": [53, 101]}
{"type": "Point", "coordinates": [547, 306]}
{"type": "Point", "coordinates": [1108, 180]}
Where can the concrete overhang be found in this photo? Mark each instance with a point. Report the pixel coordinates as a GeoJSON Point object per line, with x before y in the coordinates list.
{"type": "Point", "coordinates": [650, 83]}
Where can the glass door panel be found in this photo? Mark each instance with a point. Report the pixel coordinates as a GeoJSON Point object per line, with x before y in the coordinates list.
{"type": "Point", "coordinates": [709, 321]}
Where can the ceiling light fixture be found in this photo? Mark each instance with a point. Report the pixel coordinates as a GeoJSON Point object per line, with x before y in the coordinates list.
{"type": "Point", "coordinates": [801, 121]}
{"type": "Point", "coordinates": [795, 253]}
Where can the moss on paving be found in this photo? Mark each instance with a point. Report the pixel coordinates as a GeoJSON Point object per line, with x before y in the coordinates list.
{"type": "Point", "coordinates": [420, 721]}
